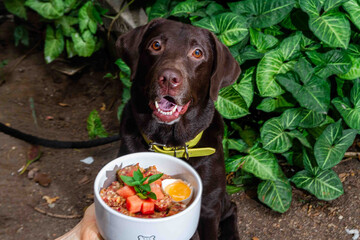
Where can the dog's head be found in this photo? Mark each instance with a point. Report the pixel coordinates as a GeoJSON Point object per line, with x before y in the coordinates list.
{"type": "Point", "coordinates": [176, 66]}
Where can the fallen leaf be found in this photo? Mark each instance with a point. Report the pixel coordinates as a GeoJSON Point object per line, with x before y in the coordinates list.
{"type": "Point", "coordinates": [32, 172]}
{"type": "Point", "coordinates": [84, 180]}
{"type": "Point", "coordinates": [33, 155]}
{"type": "Point", "coordinates": [50, 200]}
{"type": "Point", "coordinates": [255, 238]}
{"type": "Point", "coordinates": [8, 124]}
{"type": "Point", "coordinates": [43, 179]}
{"type": "Point", "coordinates": [103, 107]}
{"type": "Point", "coordinates": [343, 176]}
{"type": "Point", "coordinates": [64, 104]}
{"type": "Point", "coordinates": [48, 118]}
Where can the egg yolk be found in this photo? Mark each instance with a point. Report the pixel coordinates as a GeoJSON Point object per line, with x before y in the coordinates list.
{"type": "Point", "coordinates": [178, 191]}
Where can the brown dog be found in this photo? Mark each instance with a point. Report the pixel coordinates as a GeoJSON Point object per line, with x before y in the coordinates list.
{"type": "Point", "coordinates": [177, 71]}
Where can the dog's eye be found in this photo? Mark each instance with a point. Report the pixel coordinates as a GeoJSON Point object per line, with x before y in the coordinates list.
{"type": "Point", "coordinates": [156, 45]}
{"type": "Point", "coordinates": [197, 53]}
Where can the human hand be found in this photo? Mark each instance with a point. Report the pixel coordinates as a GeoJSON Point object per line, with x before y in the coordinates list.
{"type": "Point", "coordinates": [86, 229]}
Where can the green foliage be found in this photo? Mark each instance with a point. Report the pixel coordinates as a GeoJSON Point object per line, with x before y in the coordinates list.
{"type": "Point", "coordinates": [70, 25]}
{"type": "Point", "coordinates": [94, 126]}
{"type": "Point", "coordinates": [299, 87]}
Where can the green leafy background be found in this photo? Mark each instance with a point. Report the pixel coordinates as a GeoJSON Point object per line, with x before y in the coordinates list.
{"type": "Point", "coordinates": [71, 25]}
{"type": "Point", "coordinates": [297, 101]}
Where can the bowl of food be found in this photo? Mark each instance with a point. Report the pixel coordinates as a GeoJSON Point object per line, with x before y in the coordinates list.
{"type": "Point", "coordinates": [147, 196]}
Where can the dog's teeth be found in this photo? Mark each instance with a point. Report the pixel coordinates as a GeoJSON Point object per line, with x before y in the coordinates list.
{"type": "Point", "coordinates": [171, 112]}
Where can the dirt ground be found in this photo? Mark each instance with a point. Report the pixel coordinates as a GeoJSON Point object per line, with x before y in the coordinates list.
{"type": "Point", "coordinates": [61, 106]}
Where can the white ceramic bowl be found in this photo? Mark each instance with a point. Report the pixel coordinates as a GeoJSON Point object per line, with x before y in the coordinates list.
{"type": "Point", "coordinates": [114, 225]}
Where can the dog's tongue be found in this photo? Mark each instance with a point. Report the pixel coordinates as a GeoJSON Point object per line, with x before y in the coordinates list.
{"type": "Point", "coordinates": [166, 105]}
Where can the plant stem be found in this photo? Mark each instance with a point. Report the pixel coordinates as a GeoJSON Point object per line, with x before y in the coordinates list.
{"type": "Point", "coordinates": [117, 16]}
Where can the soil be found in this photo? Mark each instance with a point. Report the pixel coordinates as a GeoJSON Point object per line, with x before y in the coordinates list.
{"type": "Point", "coordinates": [61, 105]}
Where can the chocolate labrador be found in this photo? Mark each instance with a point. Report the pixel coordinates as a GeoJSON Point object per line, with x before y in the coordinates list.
{"type": "Point", "coordinates": [177, 71]}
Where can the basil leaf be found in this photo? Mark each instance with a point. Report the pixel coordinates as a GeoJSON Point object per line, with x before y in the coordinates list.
{"type": "Point", "coordinates": [154, 177]}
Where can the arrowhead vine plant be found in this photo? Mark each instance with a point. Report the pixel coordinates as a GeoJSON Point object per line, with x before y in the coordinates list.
{"type": "Point", "coordinates": [296, 103]}
{"type": "Point", "coordinates": [71, 25]}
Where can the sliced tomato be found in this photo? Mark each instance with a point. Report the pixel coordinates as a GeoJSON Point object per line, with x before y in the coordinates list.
{"type": "Point", "coordinates": [155, 188]}
{"type": "Point", "coordinates": [133, 204]}
{"type": "Point", "coordinates": [148, 207]}
{"type": "Point", "coordinates": [126, 191]}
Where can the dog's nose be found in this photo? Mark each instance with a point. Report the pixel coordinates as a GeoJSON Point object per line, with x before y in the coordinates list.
{"type": "Point", "coordinates": [170, 78]}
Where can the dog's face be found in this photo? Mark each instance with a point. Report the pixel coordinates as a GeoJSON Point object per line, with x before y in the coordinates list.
{"type": "Point", "coordinates": [176, 66]}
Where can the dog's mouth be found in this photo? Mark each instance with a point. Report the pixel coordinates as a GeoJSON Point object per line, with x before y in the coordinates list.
{"type": "Point", "coordinates": [167, 110]}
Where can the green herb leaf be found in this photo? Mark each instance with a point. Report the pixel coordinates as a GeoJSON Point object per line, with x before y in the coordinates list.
{"type": "Point", "coordinates": [152, 196]}
{"type": "Point", "coordinates": [137, 175]}
{"type": "Point", "coordinates": [155, 177]}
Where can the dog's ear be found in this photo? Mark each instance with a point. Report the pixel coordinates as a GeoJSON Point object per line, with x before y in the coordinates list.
{"type": "Point", "coordinates": [127, 45]}
{"type": "Point", "coordinates": [226, 69]}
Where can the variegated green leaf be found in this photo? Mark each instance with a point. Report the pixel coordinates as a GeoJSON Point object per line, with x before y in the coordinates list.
{"type": "Point", "coordinates": [355, 94]}
{"type": "Point", "coordinates": [231, 104]}
{"type": "Point", "coordinates": [160, 9]}
{"type": "Point", "coordinates": [245, 86]}
{"type": "Point", "coordinates": [332, 4]}
{"type": "Point", "coordinates": [311, 7]}
{"type": "Point", "coordinates": [274, 104]}
{"type": "Point", "coordinates": [270, 65]}
{"type": "Point", "coordinates": [353, 9]}
{"type": "Point", "coordinates": [274, 137]}
{"type": "Point", "coordinates": [332, 28]}
{"type": "Point", "coordinates": [262, 41]}
{"type": "Point", "coordinates": [186, 7]}
{"type": "Point", "coordinates": [354, 53]}
{"type": "Point", "coordinates": [325, 185]}
{"type": "Point", "coordinates": [350, 115]}
{"type": "Point", "coordinates": [262, 164]}
{"type": "Point", "coordinates": [229, 27]}
{"type": "Point", "coordinates": [311, 91]}
{"type": "Point", "coordinates": [233, 163]}
{"type": "Point", "coordinates": [66, 23]}
{"type": "Point", "coordinates": [310, 118]}
{"type": "Point", "coordinates": [261, 13]}
{"type": "Point", "coordinates": [49, 10]}
{"type": "Point", "coordinates": [299, 136]}
{"type": "Point", "coordinates": [290, 46]}
{"type": "Point", "coordinates": [86, 20]}
{"type": "Point", "coordinates": [54, 44]}
{"type": "Point", "coordinates": [275, 194]}
{"type": "Point", "coordinates": [16, 7]}
{"type": "Point", "coordinates": [332, 144]}
{"type": "Point", "coordinates": [332, 62]}
{"type": "Point", "coordinates": [84, 44]}
{"type": "Point", "coordinates": [237, 144]}
{"type": "Point", "coordinates": [290, 119]}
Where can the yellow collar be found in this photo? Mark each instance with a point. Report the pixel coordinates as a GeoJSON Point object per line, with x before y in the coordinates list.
{"type": "Point", "coordinates": [186, 151]}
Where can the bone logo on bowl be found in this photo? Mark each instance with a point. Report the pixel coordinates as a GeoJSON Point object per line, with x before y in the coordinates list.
{"type": "Point", "coordinates": [140, 237]}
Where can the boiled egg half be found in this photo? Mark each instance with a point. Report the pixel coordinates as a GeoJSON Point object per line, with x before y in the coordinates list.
{"type": "Point", "coordinates": [178, 190]}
